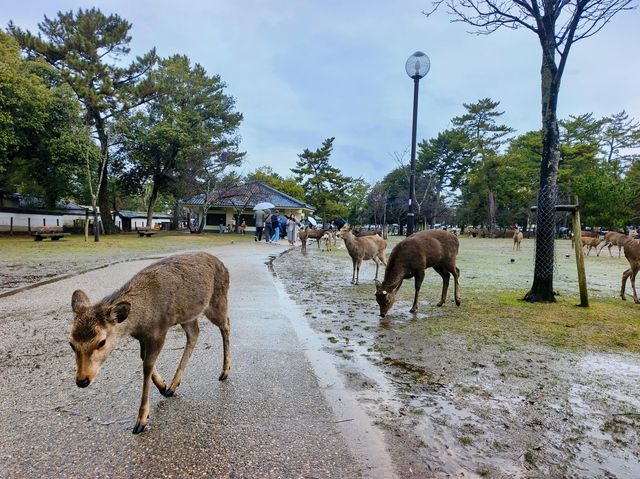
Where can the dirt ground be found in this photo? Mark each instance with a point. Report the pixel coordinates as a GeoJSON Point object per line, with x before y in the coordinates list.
{"type": "Point", "coordinates": [461, 402]}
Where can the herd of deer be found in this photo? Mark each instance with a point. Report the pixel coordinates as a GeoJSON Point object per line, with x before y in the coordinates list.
{"type": "Point", "coordinates": [176, 290]}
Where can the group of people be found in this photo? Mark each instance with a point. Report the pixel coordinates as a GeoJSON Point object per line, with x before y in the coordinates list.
{"type": "Point", "coordinates": [275, 226]}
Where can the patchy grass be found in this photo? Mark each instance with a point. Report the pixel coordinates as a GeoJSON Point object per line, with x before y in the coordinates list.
{"type": "Point", "coordinates": [492, 310]}
{"type": "Point", "coordinates": [24, 261]}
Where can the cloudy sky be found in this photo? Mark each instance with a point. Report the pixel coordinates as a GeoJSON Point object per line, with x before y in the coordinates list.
{"type": "Point", "coordinates": [302, 71]}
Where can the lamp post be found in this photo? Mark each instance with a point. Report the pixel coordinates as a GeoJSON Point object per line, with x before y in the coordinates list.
{"type": "Point", "coordinates": [417, 67]}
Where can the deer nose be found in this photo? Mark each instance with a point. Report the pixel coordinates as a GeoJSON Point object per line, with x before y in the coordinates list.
{"type": "Point", "coordinates": [82, 383]}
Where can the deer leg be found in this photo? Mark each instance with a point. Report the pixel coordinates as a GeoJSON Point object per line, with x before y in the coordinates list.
{"type": "Point", "coordinates": [353, 276]}
{"type": "Point", "coordinates": [217, 314]}
{"type": "Point", "coordinates": [456, 285]}
{"type": "Point", "coordinates": [625, 275]}
{"type": "Point", "coordinates": [375, 260]}
{"type": "Point", "coordinates": [152, 349]}
{"type": "Point", "coordinates": [598, 251]}
{"type": "Point", "coordinates": [358, 263]}
{"type": "Point", "coordinates": [445, 283]}
{"type": "Point", "coordinates": [610, 253]}
{"type": "Point", "coordinates": [418, 278]}
{"type": "Point", "coordinates": [192, 331]}
{"type": "Point", "coordinates": [155, 375]}
{"type": "Point", "coordinates": [634, 272]}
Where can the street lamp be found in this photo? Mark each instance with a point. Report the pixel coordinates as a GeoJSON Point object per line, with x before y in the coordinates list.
{"type": "Point", "coordinates": [417, 66]}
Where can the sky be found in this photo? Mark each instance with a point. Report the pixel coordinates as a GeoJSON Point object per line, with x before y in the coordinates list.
{"type": "Point", "coordinates": [302, 71]}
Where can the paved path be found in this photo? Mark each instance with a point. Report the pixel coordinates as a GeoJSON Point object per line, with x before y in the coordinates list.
{"type": "Point", "coordinates": [270, 419]}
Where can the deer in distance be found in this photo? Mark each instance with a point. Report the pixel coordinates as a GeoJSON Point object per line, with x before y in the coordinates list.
{"type": "Point", "coordinates": [410, 258]}
{"type": "Point", "coordinates": [174, 290]}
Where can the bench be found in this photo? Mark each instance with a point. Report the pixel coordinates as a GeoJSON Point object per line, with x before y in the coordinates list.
{"type": "Point", "coordinates": [52, 232]}
{"type": "Point", "coordinates": [148, 232]}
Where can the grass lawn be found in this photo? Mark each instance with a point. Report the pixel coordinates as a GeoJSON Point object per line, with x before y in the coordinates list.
{"type": "Point", "coordinates": [493, 287]}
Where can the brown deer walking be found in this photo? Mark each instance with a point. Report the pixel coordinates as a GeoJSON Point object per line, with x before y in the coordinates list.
{"type": "Point", "coordinates": [174, 290]}
{"type": "Point", "coordinates": [410, 258]}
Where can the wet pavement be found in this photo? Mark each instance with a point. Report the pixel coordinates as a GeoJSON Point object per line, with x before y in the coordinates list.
{"type": "Point", "coordinates": [283, 412]}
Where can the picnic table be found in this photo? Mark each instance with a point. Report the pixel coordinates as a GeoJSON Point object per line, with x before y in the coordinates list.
{"type": "Point", "coordinates": [146, 231]}
{"type": "Point", "coordinates": [52, 232]}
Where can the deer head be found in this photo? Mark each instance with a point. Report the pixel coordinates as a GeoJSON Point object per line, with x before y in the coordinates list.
{"type": "Point", "coordinates": [93, 334]}
{"type": "Point", "coordinates": [385, 298]}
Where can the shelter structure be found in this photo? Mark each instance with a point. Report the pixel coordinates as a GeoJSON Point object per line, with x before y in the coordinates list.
{"type": "Point", "coordinates": [236, 204]}
{"type": "Point", "coordinates": [130, 220]}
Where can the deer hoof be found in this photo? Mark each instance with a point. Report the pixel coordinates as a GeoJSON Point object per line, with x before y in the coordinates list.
{"type": "Point", "coordinates": [168, 392]}
{"type": "Point", "coordinates": [138, 428]}
{"type": "Point", "coordinates": [223, 376]}
{"type": "Point", "coordinates": [440, 304]}
{"type": "Point", "coordinates": [457, 302]}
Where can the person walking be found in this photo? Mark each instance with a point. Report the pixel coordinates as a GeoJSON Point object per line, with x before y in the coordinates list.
{"type": "Point", "coordinates": [292, 226]}
{"type": "Point", "coordinates": [243, 226]}
{"type": "Point", "coordinates": [275, 227]}
{"type": "Point", "coordinates": [267, 227]}
{"type": "Point", "coordinates": [260, 215]}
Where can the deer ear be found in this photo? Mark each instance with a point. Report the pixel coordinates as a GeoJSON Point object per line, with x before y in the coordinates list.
{"type": "Point", "coordinates": [378, 284]}
{"type": "Point", "coordinates": [119, 312]}
{"type": "Point", "coordinates": [79, 300]}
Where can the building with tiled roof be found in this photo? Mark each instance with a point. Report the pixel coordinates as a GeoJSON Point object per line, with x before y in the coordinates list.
{"type": "Point", "coordinates": [223, 206]}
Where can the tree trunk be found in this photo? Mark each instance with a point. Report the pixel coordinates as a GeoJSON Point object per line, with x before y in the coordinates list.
{"type": "Point", "coordinates": [152, 204]}
{"type": "Point", "coordinates": [203, 218]}
{"type": "Point", "coordinates": [491, 208]}
{"type": "Point", "coordinates": [103, 186]}
{"type": "Point", "coordinates": [542, 287]}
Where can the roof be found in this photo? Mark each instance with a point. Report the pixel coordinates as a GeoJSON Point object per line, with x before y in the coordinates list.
{"type": "Point", "coordinates": [141, 214]}
{"type": "Point", "coordinates": [248, 195]}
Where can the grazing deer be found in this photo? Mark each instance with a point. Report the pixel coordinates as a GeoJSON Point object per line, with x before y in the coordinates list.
{"type": "Point", "coordinates": [363, 248]}
{"type": "Point", "coordinates": [517, 239]}
{"type": "Point", "coordinates": [174, 290]}
{"type": "Point", "coordinates": [410, 258]}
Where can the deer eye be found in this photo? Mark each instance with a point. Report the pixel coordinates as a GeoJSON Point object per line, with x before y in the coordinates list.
{"type": "Point", "coordinates": [102, 343]}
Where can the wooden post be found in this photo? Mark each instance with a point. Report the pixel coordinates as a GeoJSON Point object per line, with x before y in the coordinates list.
{"type": "Point", "coordinates": [11, 226]}
{"type": "Point", "coordinates": [29, 225]}
{"type": "Point", "coordinates": [582, 277]}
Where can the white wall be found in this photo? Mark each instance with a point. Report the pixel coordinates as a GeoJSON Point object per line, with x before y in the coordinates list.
{"type": "Point", "coordinates": [21, 221]}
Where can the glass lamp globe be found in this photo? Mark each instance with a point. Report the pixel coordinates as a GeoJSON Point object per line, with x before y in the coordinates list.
{"type": "Point", "coordinates": [418, 65]}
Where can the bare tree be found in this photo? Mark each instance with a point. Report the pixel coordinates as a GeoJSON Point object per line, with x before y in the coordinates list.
{"type": "Point", "coordinates": [558, 24]}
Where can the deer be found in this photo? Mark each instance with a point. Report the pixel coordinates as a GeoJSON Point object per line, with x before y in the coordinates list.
{"type": "Point", "coordinates": [590, 242]}
{"type": "Point", "coordinates": [174, 290]}
{"type": "Point", "coordinates": [517, 239]}
{"type": "Point", "coordinates": [308, 233]}
{"type": "Point", "coordinates": [613, 238]}
{"type": "Point", "coordinates": [363, 248]}
{"type": "Point", "coordinates": [632, 253]}
{"type": "Point", "coordinates": [410, 258]}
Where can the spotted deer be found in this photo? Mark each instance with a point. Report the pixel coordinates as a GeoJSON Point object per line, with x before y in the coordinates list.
{"type": "Point", "coordinates": [174, 290]}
